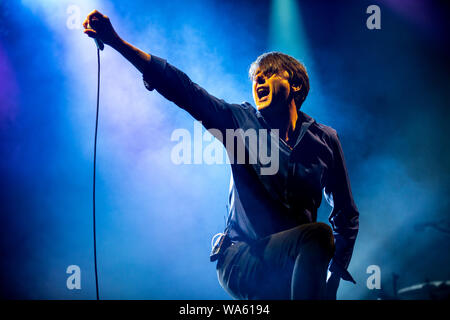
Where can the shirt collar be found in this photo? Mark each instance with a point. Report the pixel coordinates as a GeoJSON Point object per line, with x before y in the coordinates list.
{"type": "Point", "coordinates": [303, 123]}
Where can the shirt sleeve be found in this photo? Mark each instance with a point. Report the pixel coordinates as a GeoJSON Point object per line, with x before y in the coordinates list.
{"type": "Point", "coordinates": [177, 87]}
{"type": "Point", "coordinates": [344, 217]}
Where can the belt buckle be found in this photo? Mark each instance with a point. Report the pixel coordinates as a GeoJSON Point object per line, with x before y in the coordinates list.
{"type": "Point", "coordinates": [219, 246]}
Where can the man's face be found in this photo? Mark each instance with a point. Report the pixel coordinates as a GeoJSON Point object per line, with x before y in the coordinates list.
{"type": "Point", "coordinates": [271, 90]}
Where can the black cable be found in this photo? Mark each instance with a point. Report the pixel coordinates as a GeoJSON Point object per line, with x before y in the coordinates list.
{"type": "Point", "coordinates": [95, 160]}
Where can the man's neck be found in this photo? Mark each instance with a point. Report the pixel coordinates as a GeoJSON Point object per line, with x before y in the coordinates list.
{"type": "Point", "coordinates": [284, 121]}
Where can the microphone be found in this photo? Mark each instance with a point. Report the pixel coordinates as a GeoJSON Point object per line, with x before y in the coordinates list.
{"type": "Point", "coordinates": [99, 43]}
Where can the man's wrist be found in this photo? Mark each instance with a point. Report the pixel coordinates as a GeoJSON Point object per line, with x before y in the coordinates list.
{"type": "Point", "coordinates": [117, 44]}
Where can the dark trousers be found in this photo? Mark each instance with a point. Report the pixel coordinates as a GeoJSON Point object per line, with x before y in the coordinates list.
{"type": "Point", "coordinates": [291, 264]}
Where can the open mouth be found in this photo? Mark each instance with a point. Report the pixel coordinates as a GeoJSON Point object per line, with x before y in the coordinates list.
{"type": "Point", "coordinates": [262, 92]}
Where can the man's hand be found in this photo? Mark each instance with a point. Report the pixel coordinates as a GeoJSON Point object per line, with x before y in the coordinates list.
{"type": "Point", "coordinates": [98, 26]}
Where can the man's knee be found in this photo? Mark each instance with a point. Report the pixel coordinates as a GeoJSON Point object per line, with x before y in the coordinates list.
{"type": "Point", "coordinates": [322, 236]}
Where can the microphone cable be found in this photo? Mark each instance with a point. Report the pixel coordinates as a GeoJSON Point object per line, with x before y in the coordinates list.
{"type": "Point", "coordinates": [95, 160]}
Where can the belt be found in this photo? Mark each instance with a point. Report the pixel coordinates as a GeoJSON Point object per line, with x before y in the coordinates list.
{"type": "Point", "coordinates": [219, 243]}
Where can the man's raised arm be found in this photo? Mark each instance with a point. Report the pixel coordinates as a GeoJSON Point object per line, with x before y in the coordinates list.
{"type": "Point", "coordinates": [169, 81]}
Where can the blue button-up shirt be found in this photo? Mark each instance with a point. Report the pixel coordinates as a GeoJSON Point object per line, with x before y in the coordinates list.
{"type": "Point", "coordinates": [263, 204]}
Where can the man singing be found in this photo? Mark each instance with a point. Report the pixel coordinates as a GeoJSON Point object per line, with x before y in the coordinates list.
{"type": "Point", "coordinates": [272, 246]}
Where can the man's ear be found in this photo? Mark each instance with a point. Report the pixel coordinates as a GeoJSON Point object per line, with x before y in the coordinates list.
{"type": "Point", "coordinates": [296, 88]}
